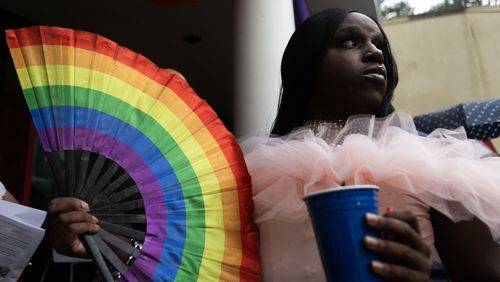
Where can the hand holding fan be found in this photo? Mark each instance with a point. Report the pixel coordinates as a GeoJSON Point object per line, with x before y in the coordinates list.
{"type": "Point", "coordinates": [149, 156]}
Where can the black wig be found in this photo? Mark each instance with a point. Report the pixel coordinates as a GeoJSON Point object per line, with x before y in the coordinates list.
{"type": "Point", "coordinates": [299, 66]}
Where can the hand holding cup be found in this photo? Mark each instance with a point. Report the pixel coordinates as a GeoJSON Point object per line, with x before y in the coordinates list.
{"type": "Point", "coordinates": [404, 255]}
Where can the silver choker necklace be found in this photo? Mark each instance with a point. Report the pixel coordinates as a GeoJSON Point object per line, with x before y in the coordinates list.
{"type": "Point", "coordinates": [322, 124]}
{"type": "Point", "coordinates": [326, 129]}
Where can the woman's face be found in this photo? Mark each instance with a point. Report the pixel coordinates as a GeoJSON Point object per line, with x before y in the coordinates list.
{"type": "Point", "coordinates": [352, 78]}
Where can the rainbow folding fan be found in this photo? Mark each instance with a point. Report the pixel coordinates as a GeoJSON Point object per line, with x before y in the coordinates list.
{"type": "Point", "coordinates": [150, 157]}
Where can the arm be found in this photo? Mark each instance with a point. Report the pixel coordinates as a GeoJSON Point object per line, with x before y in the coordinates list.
{"type": "Point", "coordinates": [466, 248]}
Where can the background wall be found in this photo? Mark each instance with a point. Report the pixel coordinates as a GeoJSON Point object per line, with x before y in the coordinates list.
{"type": "Point", "coordinates": [446, 60]}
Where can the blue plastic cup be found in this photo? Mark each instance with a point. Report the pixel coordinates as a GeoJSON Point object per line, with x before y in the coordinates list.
{"type": "Point", "coordinates": [338, 217]}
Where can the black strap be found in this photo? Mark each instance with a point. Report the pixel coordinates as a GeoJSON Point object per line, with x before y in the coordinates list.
{"type": "Point", "coordinates": [92, 177]}
{"type": "Point", "coordinates": [118, 243]}
{"type": "Point", "coordinates": [58, 171]}
{"type": "Point", "coordinates": [121, 217]}
{"type": "Point", "coordinates": [115, 184]}
{"type": "Point", "coordinates": [102, 181]}
{"type": "Point", "coordinates": [93, 249]}
{"type": "Point", "coordinates": [69, 158]}
{"type": "Point", "coordinates": [102, 197]}
{"type": "Point", "coordinates": [118, 197]}
{"type": "Point", "coordinates": [122, 230]}
{"type": "Point", "coordinates": [110, 255]}
{"type": "Point", "coordinates": [82, 172]}
{"type": "Point", "coordinates": [120, 207]}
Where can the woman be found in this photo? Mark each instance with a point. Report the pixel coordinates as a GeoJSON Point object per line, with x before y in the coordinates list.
{"type": "Point", "coordinates": [338, 64]}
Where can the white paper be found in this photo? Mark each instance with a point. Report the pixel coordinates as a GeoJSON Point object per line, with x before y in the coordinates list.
{"type": "Point", "coordinates": [20, 235]}
{"type": "Point", "coordinates": [22, 213]}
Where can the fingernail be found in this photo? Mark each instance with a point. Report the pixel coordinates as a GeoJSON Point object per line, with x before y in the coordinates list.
{"type": "Point", "coordinates": [389, 209]}
{"type": "Point", "coordinates": [372, 241]}
{"type": "Point", "coordinates": [94, 219]}
{"type": "Point", "coordinates": [84, 205]}
{"type": "Point", "coordinates": [378, 266]}
{"type": "Point", "coordinates": [372, 219]}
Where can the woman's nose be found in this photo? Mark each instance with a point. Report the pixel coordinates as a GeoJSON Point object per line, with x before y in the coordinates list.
{"type": "Point", "coordinates": [373, 53]}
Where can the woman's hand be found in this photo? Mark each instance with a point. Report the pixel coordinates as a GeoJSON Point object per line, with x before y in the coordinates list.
{"type": "Point", "coordinates": [67, 218]}
{"type": "Point", "coordinates": [9, 197]}
{"type": "Point", "coordinates": [405, 255]}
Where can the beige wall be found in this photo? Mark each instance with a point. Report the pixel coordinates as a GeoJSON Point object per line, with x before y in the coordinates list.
{"type": "Point", "coordinates": [446, 60]}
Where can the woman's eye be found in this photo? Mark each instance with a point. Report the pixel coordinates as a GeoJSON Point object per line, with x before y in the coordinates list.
{"type": "Point", "coordinates": [350, 43]}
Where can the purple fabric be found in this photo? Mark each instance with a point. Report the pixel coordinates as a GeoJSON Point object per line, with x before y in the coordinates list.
{"type": "Point", "coordinates": [301, 11]}
{"type": "Point", "coordinates": [149, 188]}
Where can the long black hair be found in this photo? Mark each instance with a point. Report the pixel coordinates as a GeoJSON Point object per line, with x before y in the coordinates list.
{"type": "Point", "coordinates": [299, 66]}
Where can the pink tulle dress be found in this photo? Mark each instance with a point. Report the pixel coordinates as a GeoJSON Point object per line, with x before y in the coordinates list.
{"type": "Point", "coordinates": [458, 177]}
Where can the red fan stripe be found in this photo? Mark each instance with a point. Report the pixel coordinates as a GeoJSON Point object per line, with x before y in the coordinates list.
{"type": "Point", "coordinates": [250, 264]}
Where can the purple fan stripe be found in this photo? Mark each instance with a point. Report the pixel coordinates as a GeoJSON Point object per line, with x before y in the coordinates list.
{"type": "Point", "coordinates": [137, 169]}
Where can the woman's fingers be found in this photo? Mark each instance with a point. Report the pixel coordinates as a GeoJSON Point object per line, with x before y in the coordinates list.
{"type": "Point", "coordinates": [399, 230]}
{"type": "Point", "coordinates": [392, 272]}
{"type": "Point", "coordinates": [67, 218]}
{"type": "Point", "coordinates": [83, 228]}
{"type": "Point", "coordinates": [77, 217]}
{"type": "Point", "coordinates": [406, 216]}
{"type": "Point", "coordinates": [68, 243]}
{"type": "Point", "coordinates": [59, 205]}
{"type": "Point", "coordinates": [405, 254]}
{"type": "Point", "coordinates": [394, 252]}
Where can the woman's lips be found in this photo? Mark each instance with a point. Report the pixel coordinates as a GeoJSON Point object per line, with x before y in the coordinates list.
{"type": "Point", "coordinates": [376, 74]}
{"type": "Point", "coordinates": [375, 77]}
